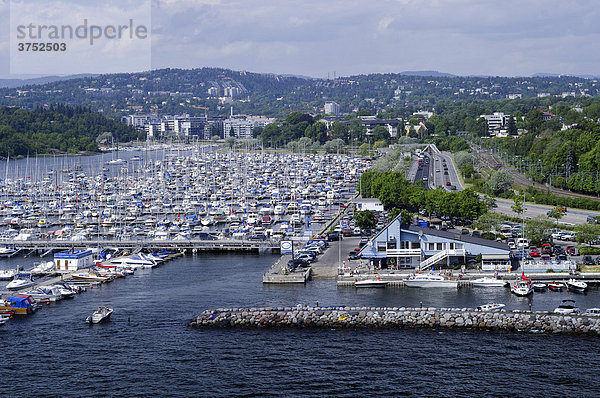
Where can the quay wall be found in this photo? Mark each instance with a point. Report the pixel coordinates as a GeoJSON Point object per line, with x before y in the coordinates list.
{"type": "Point", "coordinates": [401, 318]}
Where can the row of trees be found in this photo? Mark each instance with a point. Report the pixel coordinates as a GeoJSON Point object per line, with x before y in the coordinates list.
{"type": "Point", "coordinates": [395, 191]}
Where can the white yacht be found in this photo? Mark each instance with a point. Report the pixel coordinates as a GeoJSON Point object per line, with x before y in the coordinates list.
{"type": "Point", "coordinates": [567, 307]}
{"type": "Point", "coordinates": [430, 280]}
{"type": "Point", "coordinates": [488, 282]}
{"type": "Point", "coordinates": [491, 307]}
{"type": "Point", "coordinates": [577, 286]}
{"type": "Point", "coordinates": [20, 281]}
{"type": "Point", "coordinates": [521, 288]}
{"type": "Point", "coordinates": [8, 274]}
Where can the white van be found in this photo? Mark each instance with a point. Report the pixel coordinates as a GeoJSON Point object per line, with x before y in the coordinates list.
{"type": "Point", "coordinates": [522, 243]}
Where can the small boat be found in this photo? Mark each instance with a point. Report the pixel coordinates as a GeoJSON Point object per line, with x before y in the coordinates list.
{"type": "Point", "coordinates": [522, 287]}
{"type": "Point", "coordinates": [592, 311]}
{"type": "Point", "coordinates": [102, 314]}
{"type": "Point", "coordinates": [45, 293]}
{"type": "Point", "coordinates": [430, 280]}
{"type": "Point", "coordinates": [491, 307]}
{"type": "Point", "coordinates": [556, 286]}
{"type": "Point", "coordinates": [20, 304]}
{"type": "Point", "coordinates": [567, 307]}
{"type": "Point", "coordinates": [370, 283]}
{"type": "Point", "coordinates": [21, 281]}
{"type": "Point", "coordinates": [6, 275]}
{"type": "Point", "coordinates": [539, 286]}
{"type": "Point", "coordinates": [577, 286]}
{"type": "Point", "coordinates": [4, 318]}
{"type": "Point", "coordinates": [488, 282]}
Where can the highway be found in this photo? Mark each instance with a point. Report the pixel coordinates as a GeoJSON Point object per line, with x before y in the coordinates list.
{"type": "Point", "coordinates": [438, 168]}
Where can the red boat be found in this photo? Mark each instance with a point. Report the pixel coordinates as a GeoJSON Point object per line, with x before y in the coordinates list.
{"type": "Point", "coordinates": [556, 286]}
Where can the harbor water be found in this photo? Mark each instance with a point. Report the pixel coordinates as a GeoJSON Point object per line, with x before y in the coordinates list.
{"type": "Point", "coordinates": [147, 350]}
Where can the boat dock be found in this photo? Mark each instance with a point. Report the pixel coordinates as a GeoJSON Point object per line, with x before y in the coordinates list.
{"type": "Point", "coordinates": [180, 245]}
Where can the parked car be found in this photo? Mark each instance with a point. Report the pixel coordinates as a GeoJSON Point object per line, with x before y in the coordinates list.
{"type": "Point", "coordinates": [558, 249]}
{"type": "Point", "coordinates": [448, 183]}
{"type": "Point", "coordinates": [363, 241]}
{"type": "Point", "coordinates": [523, 242]}
{"type": "Point", "coordinates": [572, 250]}
{"type": "Point", "coordinates": [587, 260]}
{"type": "Point", "coordinates": [546, 249]}
{"type": "Point", "coordinates": [534, 252]}
{"type": "Point", "coordinates": [333, 236]}
{"type": "Point", "coordinates": [592, 219]}
{"type": "Point", "coordinates": [305, 256]}
{"type": "Point", "coordinates": [521, 254]}
{"type": "Point", "coordinates": [567, 236]}
{"type": "Point", "coordinates": [298, 262]}
{"type": "Point", "coordinates": [598, 260]}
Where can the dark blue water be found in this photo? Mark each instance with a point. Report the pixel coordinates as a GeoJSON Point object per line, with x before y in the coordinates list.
{"type": "Point", "coordinates": [146, 350]}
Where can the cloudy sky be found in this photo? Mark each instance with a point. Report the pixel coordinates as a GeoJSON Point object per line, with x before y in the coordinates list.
{"type": "Point", "coordinates": [321, 37]}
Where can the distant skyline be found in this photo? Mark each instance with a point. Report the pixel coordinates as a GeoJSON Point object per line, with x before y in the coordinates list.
{"type": "Point", "coordinates": [320, 39]}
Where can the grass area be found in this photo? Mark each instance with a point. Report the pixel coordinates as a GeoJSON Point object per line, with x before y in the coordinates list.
{"type": "Point", "coordinates": [590, 268]}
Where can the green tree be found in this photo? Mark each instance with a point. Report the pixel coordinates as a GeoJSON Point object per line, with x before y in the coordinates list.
{"type": "Point", "coordinates": [518, 205]}
{"type": "Point", "coordinates": [500, 182]}
{"type": "Point", "coordinates": [365, 219]}
{"type": "Point", "coordinates": [380, 133]}
{"type": "Point", "coordinates": [488, 222]}
{"type": "Point", "coordinates": [587, 233]}
{"type": "Point", "coordinates": [557, 213]}
{"type": "Point", "coordinates": [512, 126]}
{"type": "Point", "coordinates": [537, 230]}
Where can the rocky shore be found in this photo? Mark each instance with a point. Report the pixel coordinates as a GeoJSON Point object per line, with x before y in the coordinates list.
{"type": "Point", "coordinates": [378, 317]}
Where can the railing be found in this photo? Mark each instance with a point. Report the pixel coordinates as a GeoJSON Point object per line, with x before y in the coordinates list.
{"type": "Point", "coordinates": [439, 256]}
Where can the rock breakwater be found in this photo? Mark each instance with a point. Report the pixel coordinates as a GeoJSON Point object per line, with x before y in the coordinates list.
{"type": "Point", "coordinates": [396, 317]}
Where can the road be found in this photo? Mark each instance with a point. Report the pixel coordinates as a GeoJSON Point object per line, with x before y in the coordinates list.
{"type": "Point", "coordinates": [572, 217]}
{"type": "Point", "coordinates": [438, 169]}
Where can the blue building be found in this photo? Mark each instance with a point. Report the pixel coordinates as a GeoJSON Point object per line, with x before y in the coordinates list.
{"type": "Point", "coordinates": [411, 246]}
{"type": "Point", "coordinates": [72, 260]}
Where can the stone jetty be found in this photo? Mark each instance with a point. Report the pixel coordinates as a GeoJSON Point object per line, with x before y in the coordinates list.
{"type": "Point", "coordinates": [401, 317]}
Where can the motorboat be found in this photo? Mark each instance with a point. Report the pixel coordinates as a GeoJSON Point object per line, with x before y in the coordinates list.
{"type": "Point", "coordinates": [577, 286]}
{"type": "Point", "coordinates": [370, 283]}
{"type": "Point", "coordinates": [556, 286]}
{"type": "Point", "coordinates": [102, 314]}
{"type": "Point", "coordinates": [20, 281]}
{"type": "Point", "coordinates": [88, 277]}
{"type": "Point", "coordinates": [521, 288]}
{"type": "Point", "coordinates": [65, 290]}
{"type": "Point", "coordinates": [8, 274]}
{"type": "Point", "coordinates": [539, 286]}
{"type": "Point", "coordinates": [4, 318]}
{"type": "Point", "coordinates": [430, 280]}
{"type": "Point", "coordinates": [7, 251]}
{"type": "Point", "coordinates": [592, 311]}
{"type": "Point", "coordinates": [488, 282]}
{"type": "Point", "coordinates": [567, 307]}
{"type": "Point", "coordinates": [45, 293]}
{"type": "Point", "coordinates": [491, 307]}
{"type": "Point", "coordinates": [42, 268]}
{"type": "Point", "coordinates": [20, 304]}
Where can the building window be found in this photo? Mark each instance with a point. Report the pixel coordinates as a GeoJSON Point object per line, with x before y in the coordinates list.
{"type": "Point", "coordinates": [451, 245]}
{"type": "Point", "coordinates": [416, 245]}
{"type": "Point", "coordinates": [440, 246]}
{"type": "Point", "coordinates": [431, 246]}
{"type": "Point", "coordinates": [391, 245]}
{"type": "Point", "coordinates": [381, 246]}
{"type": "Point", "coordinates": [405, 244]}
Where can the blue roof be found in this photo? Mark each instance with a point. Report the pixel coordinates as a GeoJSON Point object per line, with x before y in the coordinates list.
{"type": "Point", "coordinates": [73, 255]}
{"type": "Point", "coordinates": [19, 302]}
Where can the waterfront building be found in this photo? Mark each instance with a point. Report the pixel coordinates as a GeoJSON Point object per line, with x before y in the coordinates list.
{"type": "Point", "coordinates": [412, 246]}
{"type": "Point", "coordinates": [73, 260]}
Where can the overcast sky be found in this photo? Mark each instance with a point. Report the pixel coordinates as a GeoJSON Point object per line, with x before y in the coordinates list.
{"type": "Point", "coordinates": [317, 37]}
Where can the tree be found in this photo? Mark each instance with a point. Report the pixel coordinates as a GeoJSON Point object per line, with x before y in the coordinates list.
{"type": "Point", "coordinates": [364, 149]}
{"type": "Point", "coordinates": [463, 158]}
{"type": "Point", "coordinates": [557, 213]}
{"type": "Point", "coordinates": [365, 219]}
{"type": "Point", "coordinates": [587, 233]}
{"type": "Point", "coordinates": [536, 229]}
{"type": "Point", "coordinates": [512, 126]}
{"type": "Point", "coordinates": [488, 222]}
{"type": "Point", "coordinates": [380, 133]}
{"type": "Point", "coordinates": [500, 182]}
{"type": "Point", "coordinates": [518, 206]}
